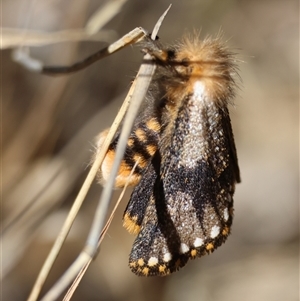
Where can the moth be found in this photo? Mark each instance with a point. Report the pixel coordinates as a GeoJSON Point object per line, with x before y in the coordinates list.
{"type": "Point", "coordinates": [182, 205]}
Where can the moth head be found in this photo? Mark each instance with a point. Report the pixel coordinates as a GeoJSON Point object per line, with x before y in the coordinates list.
{"type": "Point", "coordinates": [209, 62]}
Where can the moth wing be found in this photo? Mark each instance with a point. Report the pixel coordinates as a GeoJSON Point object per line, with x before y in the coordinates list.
{"type": "Point", "coordinates": [138, 203]}
{"type": "Point", "coordinates": [189, 211]}
{"type": "Point", "coordinates": [180, 224]}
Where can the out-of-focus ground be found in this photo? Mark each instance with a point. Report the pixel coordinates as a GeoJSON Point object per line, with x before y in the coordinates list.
{"type": "Point", "coordinates": [48, 127]}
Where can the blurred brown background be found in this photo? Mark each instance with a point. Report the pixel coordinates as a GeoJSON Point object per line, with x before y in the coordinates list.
{"type": "Point", "coordinates": [48, 127]}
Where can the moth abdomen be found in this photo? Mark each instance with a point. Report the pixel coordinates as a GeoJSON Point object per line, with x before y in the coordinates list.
{"type": "Point", "coordinates": [141, 146]}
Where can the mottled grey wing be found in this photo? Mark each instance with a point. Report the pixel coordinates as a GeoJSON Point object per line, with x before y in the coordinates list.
{"type": "Point", "coordinates": [189, 211]}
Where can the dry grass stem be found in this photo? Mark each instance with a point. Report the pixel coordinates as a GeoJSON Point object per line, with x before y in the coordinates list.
{"type": "Point", "coordinates": [141, 85]}
{"type": "Point", "coordinates": [80, 275]}
{"type": "Point", "coordinates": [21, 55]}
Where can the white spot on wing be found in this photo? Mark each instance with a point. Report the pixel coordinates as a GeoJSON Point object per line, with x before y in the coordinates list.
{"type": "Point", "coordinates": [198, 242]}
{"type": "Point", "coordinates": [152, 261]}
{"type": "Point", "coordinates": [215, 230]}
{"type": "Point", "coordinates": [183, 248]}
{"type": "Point", "coordinates": [226, 214]}
{"type": "Point", "coordinates": [167, 257]}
